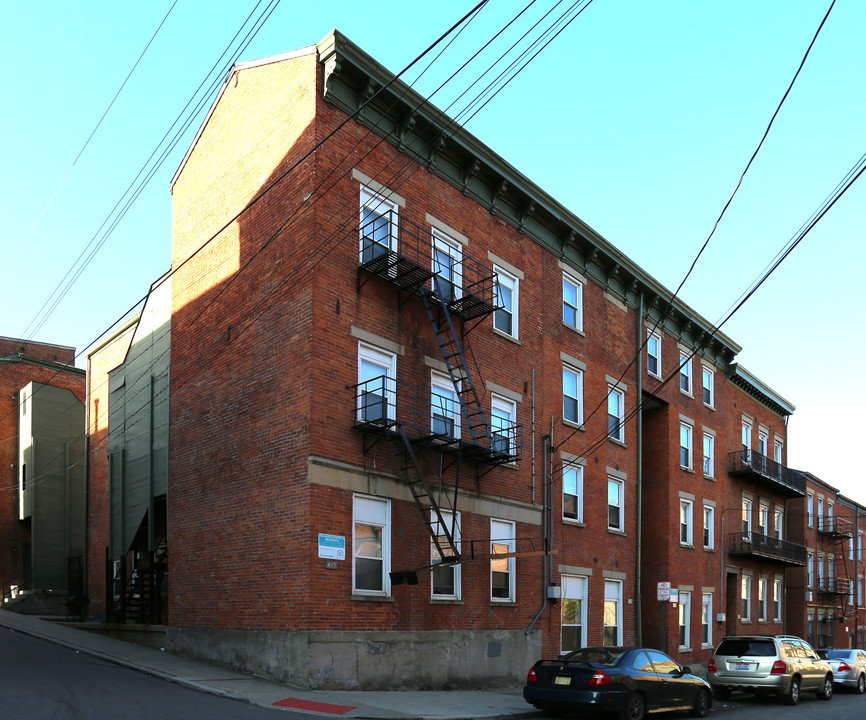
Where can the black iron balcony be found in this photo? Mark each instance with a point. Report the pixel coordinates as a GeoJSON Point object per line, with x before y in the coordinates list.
{"type": "Point", "coordinates": [766, 473]}
{"type": "Point", "coordinates": [411, 258]}
{"type": "Point", "coordinates": [756, 545]}
{"type": "Point", "coordinates": [835, 526]}
{"type": "Point", "coordinates": [432, 420]}
{"type": "Point", "coordinates": [834, 586]}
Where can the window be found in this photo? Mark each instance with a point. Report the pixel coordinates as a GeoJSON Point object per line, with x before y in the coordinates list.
{"type": "Point", "coordinates": [614, 504]}
{"type": "Point", "coordinates": [505, 316]}
{"type": "Point", "coordinates": [685, 608]}
{"type": "Point", "coordinates": [747, 442]}
{"type": "Point", "coordinates": [447, 267]}
{"type": "Point", "coordinates": [706, 619]}
{"type": "Point", "coordinates": [762, 443]}
{"type": "Point", "coordinates": [777, 452]}
{"type": "Point", "coordinates": [810, 509]}
{"type": "Point", "coordinates": [820, 570]}
{"type": "Point", "coordinates": [777, 600]}
{"type": "Point", "coordinates": [376, 385]}
{"type": "Point", "coordinates": [707, 385]}
{"type": "Point", "coordinates": [685, 446]}
{"type": "Point", "coordinates": [572, 395]}
{"type": "Point", "coordinates": [709, 527]}
{"type": "Point", "coordinates": [612, 633]}
{"type": "Point", "coordinates": [572, 492]}
{"type": "Point", "coordinates": [747, 519]}
{"type": "Point", "coordinates": [502, 541]}
{"type": "Point", "coordinates": [572, 302]}
{"type": "Point", "coordinates": [654, 354]}
{"type": "Point", "coordinates": [860, 546]}
{"type": "Point", "coordinates": [371, 544]}
{"type": "Point", "coordinates": [444, 406]}
{"type": "Point", "coordinates": [502, 425]}
{"type": "Point", "coordinates": [615, 414]}
{"type": "Point", "coordinates": [685, 373]}
{"type": "Point", "coordinates": [779, 524]}
{"type": "Point", "coordinates": [820, 513]}
{"type": "Point", "coordinates": [810, 570]}
{"type": "Point", "coordinates": [709, 455]}
{"type": "Point", "coordinates": [686, 508]}
{"type": "Point", "coordinates": [378, 226]}
{"type": "Point", "coordinates": [764, 519]}
{"type": "Point", "coordinates": [830, 508]}
{"type": "Point", "coordinates": [573, 625]}
{"type": "Point", "coordinates": [445, 581]}
{"type": "Point", "coordinates": [746, 597]}
{"type": "Point", "coordinates": [762, 599]}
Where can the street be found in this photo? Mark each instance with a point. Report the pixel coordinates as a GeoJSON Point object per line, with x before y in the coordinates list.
{"type": "Point", "coordinates": [41, 680]}
{"type": "Point", "coordinates": [845, 705]}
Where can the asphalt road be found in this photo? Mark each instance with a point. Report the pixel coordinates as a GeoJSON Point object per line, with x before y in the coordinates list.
{"type": "Point", "coordinates": [40, 681]}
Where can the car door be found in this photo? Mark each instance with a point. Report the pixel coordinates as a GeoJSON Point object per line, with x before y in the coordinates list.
{"type": "Point", "coordinates": [647, 680]}
{"type": "Point", "coordinates": [670, 686]}
{"type": "Point", "coordinates": [810, 670]}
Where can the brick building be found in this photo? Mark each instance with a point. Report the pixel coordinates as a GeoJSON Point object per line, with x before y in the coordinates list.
{"type": "Point", "coordinates": [42, 453]}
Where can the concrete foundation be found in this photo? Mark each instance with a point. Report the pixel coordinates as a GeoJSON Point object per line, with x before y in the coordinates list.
{"type": "Point", "coordinates": [367, 661]}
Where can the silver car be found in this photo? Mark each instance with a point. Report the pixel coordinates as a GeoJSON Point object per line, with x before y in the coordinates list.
{"type": "Point", "coordinates": [849, 667]}
{"type": "Point", "coordinates": [769, 665]}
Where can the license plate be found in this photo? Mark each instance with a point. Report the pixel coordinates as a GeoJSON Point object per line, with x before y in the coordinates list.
{"type": "Point", "coordinates": [741, 666]}
{"type": "Point", "coordinates": [559, 680]}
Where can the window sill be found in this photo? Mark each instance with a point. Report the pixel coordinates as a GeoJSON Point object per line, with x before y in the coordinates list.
{"type": "Point", "coordinates": [503, 603]}
{"type": "Point", "coordinates": [707, 646]}
{"type": "Point", "coordinates": [497, 331]}
{"type": "Point", "coordinates": [572, 521]}
{"type": "Point", "coordinates": [711, 478]}
{"type": "Point", "coordinates": [709, 549]}
{"type": "Point", "coordinates": [710, 407]}
{"type": "Point", "coordinates": [574, 329]}
{"type": "Point", "coordinates": [575, 425]}
{"type": "Point", "coordinates": [654, 376]}
{"type": "Point", "coordinates": [687, 393]}
{"type": "Point", "coordinates": [687, 469]}
{"type": "Point", "coordinates": [684, 649]}
{"type": "Point", "coordinates": [615, 531]}
{"type": "Point", "coordinates": [371, 598]}
{"type": "Point", "coordinates": [615, 441]}
{"type": "Point", "coordinates": [445, 601]}
{"type": "Point", "coordinates": [690, 546]}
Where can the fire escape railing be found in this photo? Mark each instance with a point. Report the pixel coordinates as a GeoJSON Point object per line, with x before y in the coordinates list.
{"type": "Point", "coordinates": [759, 545]}
{"type": "Point", "coordinates": [750, 464]}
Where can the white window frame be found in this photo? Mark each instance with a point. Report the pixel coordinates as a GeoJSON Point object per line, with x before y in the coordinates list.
{"type": "Point", "coordinates": [779, 523]}
{"type": "Point", "coordinates": [708, 389]}
{"type": "Point", "coordinates": [452, 521]}
{"type": "Point", "coordinates": [512, 283]}
{"type": "Point", "coordinates": [685, 619]}
{"type": "Point", "coordinates": [747, 442]}
{"type": "Point", "coordinates": [819, 513]}
{"type": "Point", "coordinates": [620, 485]}
{"type": "Point", "coordinates": [387, 361]}
{"type": "Point", "coordinates": [654, 343]}
{"type": "Point", "coordinates": [442, 383]}
{"type": "Point", "coordinates": [764, 519]}
{"type": "Point", "coordinates": [778, 594]}
{"type": "Point", "coordinates": [687, 511]}
{"type": "Point", "coordinates": [454, 250]}
{"type": "Point", "coordinates": [574, 587]}
{"type": "Point", "coordinates": [686, 382]}
{"type": "Point", "coordinates": [706, 620]}
{"type": "Point", "coordinates": [810, 509]}
{"type": "Point", "coordinates": [763, 442]}
{"type": "Point", "coordinates": [746, 597]}
{"type": "Point", "coordinates": [577, 398]}
{"type": "Point", "coordinates": [810, 570]}
{"type": "Point", "coordinates": [572, 480]}
{"type": "Point", "coordinates": [569, 308]}
{"type": "Point", "coordinates": [616, 414]}
{"type": "Point", "coordinates": [381, 206]}
{"type": "Point", "coordinates": [709, 450]}
{"type": "Point", "coordinates": [747, 509]}
{"type": "Point", "coordinates": [709, 530]}
{"type": "Point", "coordinates": [503, 540]}
{"type": "Point", "coordinates": [762, 599]}
{"type": "Point", "coordinates": [687, 434]}
{"type": "Point", "coordinates": [500, 406]}
{"type": "Point", "coordinates": [374, 512]}
{"type": "Point", "coordinates": [612, 610]}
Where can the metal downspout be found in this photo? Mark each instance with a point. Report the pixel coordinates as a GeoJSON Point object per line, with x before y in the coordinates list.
{"type": "Point", "coordinates": [639, 549]}
{"type": "Point", "coordinates": [545, 529]}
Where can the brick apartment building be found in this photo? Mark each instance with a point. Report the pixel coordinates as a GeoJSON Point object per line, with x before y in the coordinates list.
{"type": "Point", "coordinates": [419, 410]}
{"type": "Point", "coordinates": [42, 453]}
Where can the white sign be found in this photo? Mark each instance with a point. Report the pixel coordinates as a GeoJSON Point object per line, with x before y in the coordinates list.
{"type": "Point", "coordinates": [332, 547]}
{"type": "Point", "coordinates": [664, 590]}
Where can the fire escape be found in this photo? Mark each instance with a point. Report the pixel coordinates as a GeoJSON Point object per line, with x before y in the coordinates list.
{"type": "Point", "coordinates": [836, 586]}
{"type": "Point", "coordinates": [457, 294]}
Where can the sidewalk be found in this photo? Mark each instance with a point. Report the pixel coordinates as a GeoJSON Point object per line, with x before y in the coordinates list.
{"type": "Point", "coordinates": [420, 705]}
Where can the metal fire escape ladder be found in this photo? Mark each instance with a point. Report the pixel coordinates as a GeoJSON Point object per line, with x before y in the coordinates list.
{"type": "Point", "coordinates": [428, 498]}
{"type": "Point", "coordinates": [454, 355]}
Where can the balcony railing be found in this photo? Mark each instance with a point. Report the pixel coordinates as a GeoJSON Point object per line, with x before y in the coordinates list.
{"type": "Point", "coordinates": [834, 586]}
{"type": "Point", "coordinates": [432, 420]}
{"type": "Point", "coordinates": [766, 472]}
{"type": "Point", "coordinates": [408, 256]}
{"type": "Point", "coordinates": [835, 526]}
{"type": "Point", "coordinates": [753, 544]}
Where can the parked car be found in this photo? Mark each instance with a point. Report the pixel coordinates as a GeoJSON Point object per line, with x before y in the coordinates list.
{"type": "Point", "coordinates": [849, 667]}
{"type": "Point", "coordinates": [629, 681]}
{"type": "Point", "coordinates": [769, 665]}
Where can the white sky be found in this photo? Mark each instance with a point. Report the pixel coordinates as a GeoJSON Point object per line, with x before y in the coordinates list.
{"type": "Point", "coordinates": [639, 117]}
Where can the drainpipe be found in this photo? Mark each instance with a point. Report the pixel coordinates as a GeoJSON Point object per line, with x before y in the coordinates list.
{"type": "Point", "coordinates": [640, 366]}
{"type": "Point", "coordinates": [545, 531]}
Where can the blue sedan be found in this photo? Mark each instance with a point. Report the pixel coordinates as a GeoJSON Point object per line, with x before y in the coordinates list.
{"type": "Point", "coordinates": [628, 681]}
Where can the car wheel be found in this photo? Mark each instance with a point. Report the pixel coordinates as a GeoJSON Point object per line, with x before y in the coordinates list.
{"type": "Point", "coordinates": [722, 693]}
{"type": "Point", "coordinates": [793, 696]}
{"type": "Point", "coordinates": [634, 708]}
{"type": "Point", "coordinates": [702, 704]}
{"type": "Point", "coordinates": [826, 691]}
{"type": "Point", "coordinates": [861, 684]}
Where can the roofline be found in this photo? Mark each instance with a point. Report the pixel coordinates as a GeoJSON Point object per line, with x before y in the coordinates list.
{"type": "Point", "coordinates": [237, 67]}
{"type": "Point", "coordinates": [36, 342]}
{"type": "Point", "coordinates": [759, 390]}
{"type": "Point", "coordinates": [50, 364]}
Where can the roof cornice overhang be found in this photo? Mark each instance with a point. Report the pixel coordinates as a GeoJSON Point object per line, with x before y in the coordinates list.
{"type": "Point", "coordinates": [50, 364]}
{"type": "Point", "coordinates": [747, 382]}
{"type": "Point", "coordinates": [360, 86]}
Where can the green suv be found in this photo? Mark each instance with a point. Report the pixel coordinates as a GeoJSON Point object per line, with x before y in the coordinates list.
{"type": "Point", "coordinates": [769, 665]}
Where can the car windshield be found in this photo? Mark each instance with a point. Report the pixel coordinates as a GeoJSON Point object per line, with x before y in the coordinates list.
{"type": "Point", "coordinates": [838, 654]}
{"type": "Point", "coordinates": [745, 646]}
{"type": "Point", "coordinates": [596, 656]}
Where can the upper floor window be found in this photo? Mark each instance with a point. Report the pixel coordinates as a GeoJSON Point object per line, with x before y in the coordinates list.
{"type": "Point", "coordinates": [615, 519]}
{"type": "Point", "coordinates": [686, 373]}
{"type": "Point", "coordinates": [615, 414]}
{"type": "Point", "coordinates": [709, 455]}
{"type": "Point", "coordinates": [445, 581]}
{"type": "Point", "coordinates": [763, 441]}
{"type": "Point", "coordinates": [503, 425]}
{"type": "Point", "coordinates": [747, 518]}
{"type": "Point", "coordinates": [747, 439]}
{"type": "Point", "coordinates": [654, 354]}
{"type": "Point", "coordinates": [378, 225]}
{"type": "Point", "coordinates": [507, 300]}
{"type": "Point", "coordinates": [444, 406]}
{"type": "Point", "coordinates": [572, 492]}
{"type": "Point", "coordinates": [371, 540]}
{"type": "Point", "coordinates": [572, 394]}
{"type": "Point", "coordinates": [709, 527]}
{"type": "Point", "coordinates": [447, 267]}
{"type": "Point", "coordinates": [502, 542]}
{"type": "Point", "coordinates": [810, 509]}
{"type": "Point", "coordinates": [572, 302]}
{"type": "Point", "coordinates": [686, 513]}
{"type": "Point", "coordinates": [686, 435]}
{"type": "Point", "coordinates": [376, 395]}
{"type": "Point", "coordinates": [777, 600]}
{"type": "Point", "coordinates": [707, 386]}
